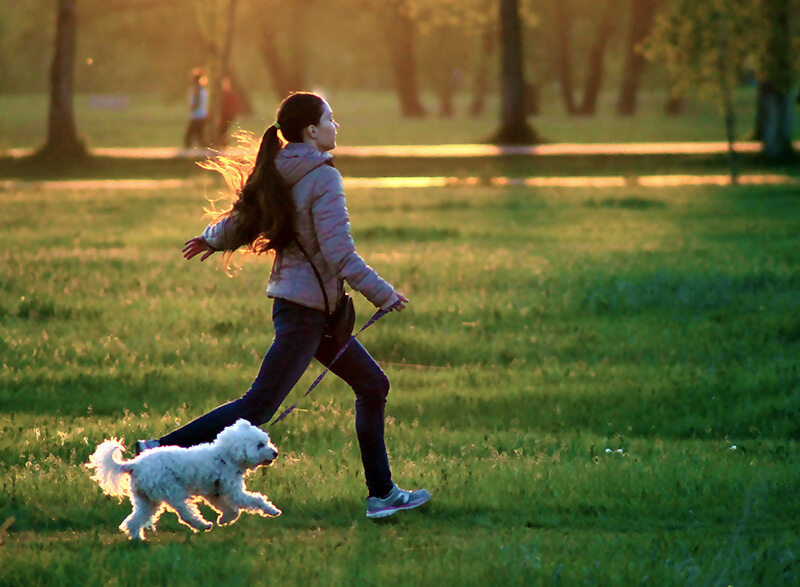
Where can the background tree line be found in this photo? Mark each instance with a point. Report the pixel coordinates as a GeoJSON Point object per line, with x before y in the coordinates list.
{"type": "Point", "coordinates": [438, 46]}
{"type": "Point", "coordinates": [407, 46]}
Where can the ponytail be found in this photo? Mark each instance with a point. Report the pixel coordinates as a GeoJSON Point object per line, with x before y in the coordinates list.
{"type": "Point", "coordinates": [269, 143]}
{"type": "Point", "coordinates": [265, 209]}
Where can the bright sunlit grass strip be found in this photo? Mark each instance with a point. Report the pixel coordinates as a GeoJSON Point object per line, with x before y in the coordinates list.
{"type": "Point", "coordinates": [469, 150]}
{"type": "Point", "coordinates": [410, 182]}
{"type": "Point", "coordinates": [598, 385]}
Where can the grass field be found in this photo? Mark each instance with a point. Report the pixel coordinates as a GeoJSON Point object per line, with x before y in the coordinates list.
{"type": "Point", "coordinates": [372, 118]}
{"type": "Point", "coordinates": [597, 386]}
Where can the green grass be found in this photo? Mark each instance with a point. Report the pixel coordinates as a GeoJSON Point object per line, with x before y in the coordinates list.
{"type": "Point", "coordinates": [372, 118]}
{"type": "Point", "coordinates": [548, 330]}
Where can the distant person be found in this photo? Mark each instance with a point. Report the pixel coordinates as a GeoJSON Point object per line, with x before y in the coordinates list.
{"type": "Point", "coordinates": [229, 108]}
{"type": "Point", "coordinates": [291, 203]}
{"type": "Point", "coordinates": [198, 111]}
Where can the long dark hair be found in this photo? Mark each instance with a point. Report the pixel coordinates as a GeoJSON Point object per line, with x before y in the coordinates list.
{"type": "Point", "coordinates": [263, 201]}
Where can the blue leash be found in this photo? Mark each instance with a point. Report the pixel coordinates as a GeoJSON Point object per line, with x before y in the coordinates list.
{"type": "Point", "coordinates": [375, 317]}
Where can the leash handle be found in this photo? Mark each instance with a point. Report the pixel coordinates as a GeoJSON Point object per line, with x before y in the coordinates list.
{"type": "Point", "coordinates": [375, 317]}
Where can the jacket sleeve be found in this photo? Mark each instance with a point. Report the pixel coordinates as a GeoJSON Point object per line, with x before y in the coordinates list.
{"type": "Point", "coordinates": [221, 235]}
{"type": "Point", "coordinates": [332, 225]}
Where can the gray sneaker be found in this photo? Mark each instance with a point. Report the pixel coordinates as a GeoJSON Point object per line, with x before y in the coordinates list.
{"type": "Point", "coordinates": [143, 445]}
{"type": "Point", "coordinates": [398, 499]}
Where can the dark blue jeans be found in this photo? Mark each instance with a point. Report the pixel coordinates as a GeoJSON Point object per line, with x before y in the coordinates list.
{"type": "Point", "coordinates": [298, 339]}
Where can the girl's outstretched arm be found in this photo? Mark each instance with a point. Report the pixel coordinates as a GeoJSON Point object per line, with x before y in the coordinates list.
{"type": "Point", "coordinates": [195, 246]}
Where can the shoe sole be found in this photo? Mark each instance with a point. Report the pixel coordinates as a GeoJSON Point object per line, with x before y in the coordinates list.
{"type": "Point", "coordinates": [386, 512]}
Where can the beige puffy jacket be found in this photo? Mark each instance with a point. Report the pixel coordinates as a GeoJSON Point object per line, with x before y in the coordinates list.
{"type": "Point", "coordinates": [323, 228]}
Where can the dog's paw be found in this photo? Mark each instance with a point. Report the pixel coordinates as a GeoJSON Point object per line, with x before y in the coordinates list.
{"type": "Point", "coordinates": [134, 533]}
{"type": "Point", "coordinates": [198, 526]}
{"type": "Point", "coordinates": [272, 511]}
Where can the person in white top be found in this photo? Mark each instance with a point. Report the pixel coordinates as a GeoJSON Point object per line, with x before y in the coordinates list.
{"type": "Point", "coordinates": [198, 111]}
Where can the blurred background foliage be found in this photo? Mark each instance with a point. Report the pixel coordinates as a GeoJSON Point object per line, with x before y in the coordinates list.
{"type": "Point", "coordinates": [146, 46]}
{"type": "Point", "coordinates": [437, 57]}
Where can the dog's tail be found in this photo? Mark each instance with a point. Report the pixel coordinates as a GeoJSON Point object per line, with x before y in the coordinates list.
{"type": "Point", "coordinates": [112, 474]}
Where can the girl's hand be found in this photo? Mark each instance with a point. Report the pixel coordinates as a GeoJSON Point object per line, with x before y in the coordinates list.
{"type": "Point", "coordinates": [397, 297]}
{"type": "Point", "coordinates": [195, 246]}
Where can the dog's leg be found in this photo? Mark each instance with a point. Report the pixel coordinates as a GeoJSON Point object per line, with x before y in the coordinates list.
{"type": "Point", "coordinates": [228, 513]}
{"type": "Point", "coordinates": [189, 514]}
{"type": "Point", "coordinates": [145, 513]}
{"type": "Point", "coordinates": [255, 503]}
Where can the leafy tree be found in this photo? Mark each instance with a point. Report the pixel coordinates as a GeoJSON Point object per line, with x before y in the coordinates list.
{"type": "Point", "coordinates": [707, 44]}
{"type": "Point", "coordinates": [594, 78]}
{"type": "Point", "coordinates": [480, 19]}
{"type": "Point", "coordinates": [280, 30]}
{"type": "Point", "coordinates": [63, 142]}
{"type": "Point", "coordinates": [514, 129]}
{"type": "Point", "coordinates": [642, 13]}
{"type": "Point", "coordinates": [704, 45]}
{"type": "Point", "coordinates": [776, 78]}
{"type": "Point", "coordinates": [401, 31]}
{"type": "Point", "coordinates": [564, 16]}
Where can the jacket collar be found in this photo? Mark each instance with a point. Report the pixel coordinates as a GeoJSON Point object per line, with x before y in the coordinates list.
{"type": "Point", "coordinates": [295, 160]}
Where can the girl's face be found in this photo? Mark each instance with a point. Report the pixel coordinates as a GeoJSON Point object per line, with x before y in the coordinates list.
{"type": "Point", "coordinates": [323, 134]}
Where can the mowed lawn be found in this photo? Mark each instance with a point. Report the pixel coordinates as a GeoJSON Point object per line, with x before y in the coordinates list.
{"type": "Point", "coordinates": [597, 386]}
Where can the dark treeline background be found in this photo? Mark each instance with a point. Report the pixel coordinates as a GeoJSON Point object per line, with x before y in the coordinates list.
{"type": "Point", "coordinates": [132, 46]}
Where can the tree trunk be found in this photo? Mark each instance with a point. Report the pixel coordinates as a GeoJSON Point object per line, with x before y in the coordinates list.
{"type": "Point", "coordinates": [776, 129]}
{"type": "Point", "coordinates": [730, 131]}
{"type": "Point", "coordinates": [723, 65]}
{"type": "Point", "coordinates": [222, 71]}
{"type": "Point", "coordinates": [481, 83]}
{"type": "Point", "coordinates": [758, 130]}
{"type": "Point", "coordinates": [448, 71]}
{"type": "Point", "coordinates": [63, 142]}
{"type": "Point", "coordinates": [776, 132]}
{"type": "Point", "coordinates": [281, 81]}
{"type": "Point", "coordinates": [288, 74]}
{"type": "Point", "coordinates": [447, 94]}
{"type": "Point", "coordinates": [298, 56]}
{"type": "Point", "coordinates": [563, 23]}
{"type": "Point", "coordinates": [642, 16]}
{"type": "Point", "coordinates": [513, 127]}
{"type": "Point", "coordinates": [402, 33]}
{"type": "Point", "coordinates": [594, 77]}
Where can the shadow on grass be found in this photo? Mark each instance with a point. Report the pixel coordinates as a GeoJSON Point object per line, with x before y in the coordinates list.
{"type": "Point", "coordinates": [29, 168]}
{"type": "Point", "coordinates": [633, 203]}
{"type": "Point", "coordinates": [722, 408]}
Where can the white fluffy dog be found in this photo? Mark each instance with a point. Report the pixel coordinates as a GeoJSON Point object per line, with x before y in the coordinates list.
{"type": "Point", "coordinates": [170, 477]}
